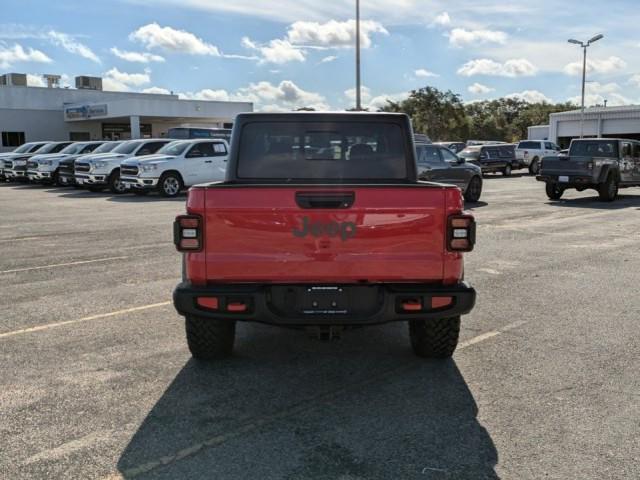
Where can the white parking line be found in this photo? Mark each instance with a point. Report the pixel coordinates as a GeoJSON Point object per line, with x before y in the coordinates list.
{"type": "Point", "coordinates": [49, 326]}
{"type": "Point", "coordinates": [297, 409]}
{"type": "Point", "coordinates": [83, 262]}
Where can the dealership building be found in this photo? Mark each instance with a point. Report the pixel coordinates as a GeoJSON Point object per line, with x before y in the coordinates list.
{"type": "Point", "coordinates": [89, 113]}
{"type": "Point", "coordinates": [606, 122]}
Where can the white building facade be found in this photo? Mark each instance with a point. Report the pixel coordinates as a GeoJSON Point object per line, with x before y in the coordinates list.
{"type": "Point", "coordinates": [35, 113]}
{"type": "Point", "coordinates": [607, 122]}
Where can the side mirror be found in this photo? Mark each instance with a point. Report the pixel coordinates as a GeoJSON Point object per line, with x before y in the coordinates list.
{"type": "Point", "coordinates": [461, 160]}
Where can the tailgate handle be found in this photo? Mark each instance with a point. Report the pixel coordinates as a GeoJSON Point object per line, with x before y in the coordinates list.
{"type": "Point", "coordinates": [331, 201]}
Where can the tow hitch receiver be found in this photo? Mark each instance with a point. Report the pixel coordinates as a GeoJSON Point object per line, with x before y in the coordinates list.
{"type": "Point", "coordinates": [325, 333]}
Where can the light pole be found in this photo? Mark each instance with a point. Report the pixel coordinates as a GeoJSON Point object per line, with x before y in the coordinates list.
{"type": "Point", "coordinates": [584, 73]}
{"type": "Point", "coordinates": [358, 96]}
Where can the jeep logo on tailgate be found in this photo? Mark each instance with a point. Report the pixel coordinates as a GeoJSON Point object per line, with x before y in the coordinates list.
{"type": "Point", "coordinates": [344, 230]}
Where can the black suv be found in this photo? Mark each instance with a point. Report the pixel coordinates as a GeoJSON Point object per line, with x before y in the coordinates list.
{"type": "Point", "coordinates": [491, 158]}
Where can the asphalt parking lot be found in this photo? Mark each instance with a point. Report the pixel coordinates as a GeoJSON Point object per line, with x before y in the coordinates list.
{"type": "Point", "coordinates": [97, 381]}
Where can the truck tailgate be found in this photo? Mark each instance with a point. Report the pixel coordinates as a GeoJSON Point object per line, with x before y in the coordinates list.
{"type": "Point", "coordinates": [300, 234]}
{"type": "Point", "coordinates": [565, 166]}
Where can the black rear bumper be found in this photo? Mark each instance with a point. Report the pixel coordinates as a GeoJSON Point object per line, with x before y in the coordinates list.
{"type": "Point", "coordinates": [312, 305]}
{"type": "Point", "coordinates": [575, 181]}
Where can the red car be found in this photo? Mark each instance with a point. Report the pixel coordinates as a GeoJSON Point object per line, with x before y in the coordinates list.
{"type": "Point", "coordinates": [322, 223]}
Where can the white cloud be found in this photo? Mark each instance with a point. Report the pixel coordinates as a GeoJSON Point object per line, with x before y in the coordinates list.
{"type": "Point", "coordinates": [459, 37]}
{"type": "Point", "coordinates": [442, 20]}
{"type": "Point", "coordinates": [71, 45]}
{"type": "Point", "coordinates": [35, 80]}
{"type": "Point", "coordinates": [479, 89]}
{"type": "Point", "coordinates": [424, 73]}
{"type": "Point", "coordinates": [115, 80]}
{"type": "Point", "coordinates": [511, 68]}
{"type": "Point", "coordinates": [285, 96]}
{"type": "Point", "coordinates": [333, 34]}
{"type": "Point", "coordinates": [365, 93]}
{"type": "Point", "coordinates": [382, 100]}
{"type": "Point", "coordinates": [16, 54]}
{"type": "Point", "coordinates": [635, 80]}
{"type": "Point", "coordinates": [207, 94]}
{"type": "Point", "coordinates": [157, 91]}
{"type": "Point", "coordinates": [531, 96]}
{"type": "Point", "coordinates": [596, 93]}
{"type": "Point", "coordinates": [136, 57]}
{"type": "Point", "coordinates": [328, 59]}
{"type": "Point", "coordinates": [609, 65]}
{"type": "Point", "coordinates": [276, 51]}
{"type": "Point", "coordinates": [172, 40]}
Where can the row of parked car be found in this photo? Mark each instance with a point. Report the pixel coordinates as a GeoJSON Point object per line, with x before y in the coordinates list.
{"type": "Point", "coordinates": [494, 156]}
{"type": "Point", "coordinates": [133, 166]}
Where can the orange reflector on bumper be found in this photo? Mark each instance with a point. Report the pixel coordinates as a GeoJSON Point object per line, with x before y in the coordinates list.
{"type": "Point", "coordinates": [439, 302]}
{"type": "Point", "coordinates": [236, 307]}
{"type": "Point", "coordinates": [209, 302]}
{"type": "Point", "coordinates": [412, 306]}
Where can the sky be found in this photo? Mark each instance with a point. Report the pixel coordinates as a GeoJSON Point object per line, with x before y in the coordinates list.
{"type": "Point", "coordinates": [287, 54]}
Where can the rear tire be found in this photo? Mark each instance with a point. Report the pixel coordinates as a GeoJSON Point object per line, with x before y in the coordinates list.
{"type": "Point", "coordinates": [554, 192]}
{"type": "Point", "coordinates": [474, 190]}
{"type": "Point", "coordinates": [506, 171]}
{"type": "Point", "coordinates": [170, 185]}
{"type": "Point", "coordinates": [210, 338]}
{"type": "Point", "coordinates": [534, 166]}
{"type": "Point", "coordinates": [434, 338]}
{"type": "Point", "coordinates": [608, 190]}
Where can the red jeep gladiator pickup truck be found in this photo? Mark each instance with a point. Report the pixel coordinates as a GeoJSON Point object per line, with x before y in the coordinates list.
{"type": "Point", "coordinates": [321, 222]}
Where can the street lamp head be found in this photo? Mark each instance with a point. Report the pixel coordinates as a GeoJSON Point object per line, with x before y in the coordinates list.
{"type": "Point", "coordinates": [577, 42]}
{"type": "Point", "coordinates": [596, 38]}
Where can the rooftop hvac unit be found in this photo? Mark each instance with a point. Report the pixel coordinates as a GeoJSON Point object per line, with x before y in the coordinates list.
{"type": "Point", "coordinates": [89, 83]}
{"type": "Point", "coordinates": [14, 79]}
{"type": "Point", "coordinates": [53, 81]}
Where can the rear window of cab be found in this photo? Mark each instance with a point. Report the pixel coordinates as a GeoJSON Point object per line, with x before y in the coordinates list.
{"type": "Point", "coordinates": [323, 151]}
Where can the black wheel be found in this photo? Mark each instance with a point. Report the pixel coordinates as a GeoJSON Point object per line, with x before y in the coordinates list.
{"type": "Point", "coordinates": [115, 184]}
{"type": "Point", "coordinates": [170, 185]}
{"type": "Point", "coordinates": [474, 190]}
{"type": "Point", "coordinates": [434, 338]}
{"type": "Point", "coordinates": [95, 189]}
{"type": "Point", "coordinates": [608, 190]}
{"type": "Point", "coordinates": [534, 166]}
{"type": "Point", "coordinates": [55, 179]}
{"type": "Point", "coordinates": [554, 192]}
{"type": "Point", "coordinates": [140, 193]}
{"type": "Point", "coordinates": [210, 338]}
{"type": "Point", "coordinates": [506, 171]}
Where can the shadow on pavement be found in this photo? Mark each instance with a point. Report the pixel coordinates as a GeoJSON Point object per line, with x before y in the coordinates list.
{"type": "Point", "coordinates": [292, 407]}
{"type": "Point", "coordinates": [623, 201]}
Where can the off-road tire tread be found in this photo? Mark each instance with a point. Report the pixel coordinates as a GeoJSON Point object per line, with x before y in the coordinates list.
{"type": "Point", "coordinates": [552, 193]}
{"type": "Point", "coordinates": [434, 338]}
{"type": "Point", "coordinates": [210, 338]}
{"type": "Point", "coordinates": [603, 190]}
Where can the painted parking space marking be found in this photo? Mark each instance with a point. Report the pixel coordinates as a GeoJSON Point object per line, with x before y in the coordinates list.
{"type": "Point", "coordinates": [56, 265]}
{"type": "Point", "coordinates": [49, 326]}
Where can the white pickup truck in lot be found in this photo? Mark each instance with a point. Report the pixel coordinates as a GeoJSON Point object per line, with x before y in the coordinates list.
{"type": "Point", "coordinates": [530, 153]}
{"type": "Point", "coordinates": [103, 171]}
{"type": "Point", "coordinates": [25, 150]}
{"type": "Point", "coordinates": [45, 168]}
{"type": "Point", "coordinates": [180, 164]}
{"type": "Point", "coordinates": [15, 169]}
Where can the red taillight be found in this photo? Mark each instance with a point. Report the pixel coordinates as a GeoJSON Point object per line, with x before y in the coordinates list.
{"type": "Point", "coordinates": [187, 233]}
{"type": "Point", "coordinates": [461, 233]}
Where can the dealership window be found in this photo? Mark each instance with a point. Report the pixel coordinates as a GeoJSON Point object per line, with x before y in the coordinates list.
{"type": "Point", "coordinates": [79, 136]}
{"type": "Point", "coordinates": [12, 139]}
